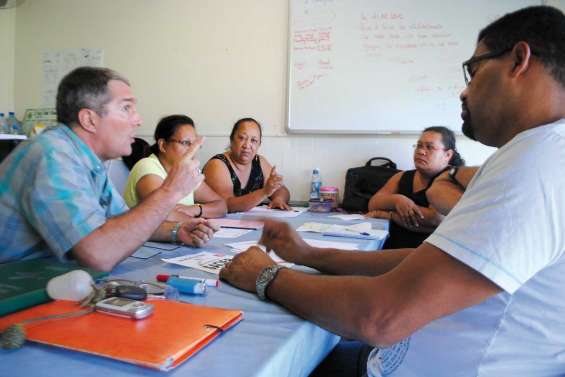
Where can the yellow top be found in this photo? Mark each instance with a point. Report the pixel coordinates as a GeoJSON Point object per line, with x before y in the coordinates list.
{"type": "Point", "coordinates": [143, 167]}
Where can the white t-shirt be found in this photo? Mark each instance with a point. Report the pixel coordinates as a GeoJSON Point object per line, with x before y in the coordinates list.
{"type": "Point", "coordinates": [510, 227]}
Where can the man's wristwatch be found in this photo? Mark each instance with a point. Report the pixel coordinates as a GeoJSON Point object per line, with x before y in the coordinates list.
{"type": "Point", "coordinates": [175, 233]}
{"type": "Point", "coordinates": [199, 213]}
{"type": "Point", "coordinates": [266, 277]}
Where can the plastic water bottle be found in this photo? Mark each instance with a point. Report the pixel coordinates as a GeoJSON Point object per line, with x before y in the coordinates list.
{"type": "Point", "coordinates": [14, 124]}
{"type": "Point", "coordinates": [315, 185]}
{"type": "Point", "coordinates": [3, 124]}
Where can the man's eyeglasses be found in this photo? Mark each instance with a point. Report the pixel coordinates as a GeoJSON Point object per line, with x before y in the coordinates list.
{"type": "Point", "coordinates": [186, 143]}
{"type": "Point", "coordinates": [468, 66]}
{"type": "Point", "coordinates": [427, 147]}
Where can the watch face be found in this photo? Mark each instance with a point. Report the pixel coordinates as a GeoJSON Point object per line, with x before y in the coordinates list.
{"type": "Point", "coordinates": [266, 276]}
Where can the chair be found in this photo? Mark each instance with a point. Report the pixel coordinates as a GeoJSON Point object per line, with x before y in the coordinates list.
{"type": "Point", "coordinates": [118, 174]}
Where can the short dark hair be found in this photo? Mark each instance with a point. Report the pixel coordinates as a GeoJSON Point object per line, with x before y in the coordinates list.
{"type": "Point", "coordinates": [449, 142]}
{"type": "Point", "coordinates": [240, 122]}
{"type": "Point", "coordinates": [84, 88]}
{"type": "Point", "coordinates": [542, 27]}
{"type": "Point", "coordinates": [167, 127]}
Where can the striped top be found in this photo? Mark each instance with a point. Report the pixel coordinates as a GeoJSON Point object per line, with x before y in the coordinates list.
{"type": "Point", "coordinates": [54, 191]}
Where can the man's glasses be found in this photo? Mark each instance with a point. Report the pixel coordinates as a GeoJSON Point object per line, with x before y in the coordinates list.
{"type": "Point", "coordinates": [468, 66]}
{"type": "Point", "coordinates": [427, 147]}
{"type": "Point", "coordinates": [186, 143]}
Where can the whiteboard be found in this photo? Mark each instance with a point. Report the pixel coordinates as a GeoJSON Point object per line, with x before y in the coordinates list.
{"type": "Point", "coordinates": [382, 66]}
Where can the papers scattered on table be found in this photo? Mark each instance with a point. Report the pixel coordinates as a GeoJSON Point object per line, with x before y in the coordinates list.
{"type": "Point", "coordinates": [231, 233]}
{"type": "Point", "coordinates": [349, 217]}
{"type": "Point", "coordinates": [240, 247]}
{"type": "Point", "coordinates": [243, 245]}
{"type": "Point", "coordinates": [162, 246]}
{"type": "Point", "coordinates": [277, 213]}
{"type": "Point", "coordinates": [203, 261]}
{"type": "Point", "coordinates": [358, 231]}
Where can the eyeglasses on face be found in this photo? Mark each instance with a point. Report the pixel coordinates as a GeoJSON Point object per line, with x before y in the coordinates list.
{"type": "Point", "coordinates": [428, 147]}
{"type": "Point", "coordinates": [185, 143]}
{"type": "Point", "coordinates": [469, 65]}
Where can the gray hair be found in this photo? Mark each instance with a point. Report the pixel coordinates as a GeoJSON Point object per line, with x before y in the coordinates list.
{"type": "Point", "coordinates": [84, 88]}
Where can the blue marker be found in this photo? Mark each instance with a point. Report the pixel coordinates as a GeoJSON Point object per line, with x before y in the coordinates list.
{"type": "Point", "coordinates": [188, 286]}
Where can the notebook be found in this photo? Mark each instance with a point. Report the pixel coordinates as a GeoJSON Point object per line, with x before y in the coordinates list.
{"type": "Point", "coordinates": [172, 334]}
{"type": "Point", "coordinates": [22, 284]}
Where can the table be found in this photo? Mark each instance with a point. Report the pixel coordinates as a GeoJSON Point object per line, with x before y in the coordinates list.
{"type": "Point", "coordinates": [270, 341]}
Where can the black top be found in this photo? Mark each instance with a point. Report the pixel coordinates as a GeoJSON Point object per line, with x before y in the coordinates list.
{"type": "Point", "coordinates": [256, 179]}
{"type": "Point", "coordinates": [401, 237]}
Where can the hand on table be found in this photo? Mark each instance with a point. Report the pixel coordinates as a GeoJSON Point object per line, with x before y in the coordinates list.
{"type": "Point", "coordinates": [285, 241]}
{"type": "Point", "coordinates": [244, 268]}
{"type": "Point", "coordinates": [279, 203]}
{"type": "Point", "coordinates": [196, 232]}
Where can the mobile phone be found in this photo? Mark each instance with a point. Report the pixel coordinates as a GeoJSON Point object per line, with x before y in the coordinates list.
{"type": "Point", "coordinates": [125, 307]}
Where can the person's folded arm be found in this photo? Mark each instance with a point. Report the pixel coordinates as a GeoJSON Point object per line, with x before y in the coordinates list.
{"type": "Point", "coordinates": [385, 199]}
{"type": "Point", "coordinates": [427, 223]}
{"type": "Point", "coordinates": [444, 194]}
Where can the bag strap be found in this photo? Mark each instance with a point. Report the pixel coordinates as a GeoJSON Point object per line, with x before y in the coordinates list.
{"type": "Point", "coordinates": [385, 162]}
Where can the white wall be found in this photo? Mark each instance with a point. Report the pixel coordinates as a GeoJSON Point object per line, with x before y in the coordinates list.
{"type": "Point", "coordinates": [7, 49]}
{"type": "Point", "coordinates": [215, 60]}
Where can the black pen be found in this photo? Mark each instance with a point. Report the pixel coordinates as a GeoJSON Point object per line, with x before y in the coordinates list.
{"type": "Point", "coordinates": [238, 227]}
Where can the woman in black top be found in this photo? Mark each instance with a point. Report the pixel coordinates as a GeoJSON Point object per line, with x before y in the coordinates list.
{"type": "Point", "coordinates": [403, 198]}
{"type": "Point", "coordinates": [238, 175]}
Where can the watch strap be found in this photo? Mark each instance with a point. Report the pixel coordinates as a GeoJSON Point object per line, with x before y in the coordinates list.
{"type": "Point", "coordinates": [265, 278]}
{"type": "Point", "coordinates": [452, 174]}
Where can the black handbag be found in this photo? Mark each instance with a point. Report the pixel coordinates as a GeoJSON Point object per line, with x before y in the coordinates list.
{"type": "Point", "coordinates": [363, 182]}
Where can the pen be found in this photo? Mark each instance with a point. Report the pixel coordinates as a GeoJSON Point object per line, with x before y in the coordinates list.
{"type": "Point", "coordinates": [359, 235]}
{"type": "Point", "coordinates": [209, 282]}
{"type": "Point", "coordinates": [238, 227]}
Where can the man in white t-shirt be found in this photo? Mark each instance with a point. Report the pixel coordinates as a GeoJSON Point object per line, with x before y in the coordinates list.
{"type": "Point", "coordinates": [485, 294]}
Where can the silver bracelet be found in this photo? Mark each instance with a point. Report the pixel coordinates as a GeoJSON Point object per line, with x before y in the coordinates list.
{"type": "Point", "coordinates": [175, 233]}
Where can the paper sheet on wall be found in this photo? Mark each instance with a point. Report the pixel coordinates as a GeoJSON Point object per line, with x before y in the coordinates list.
{"type": "Point", "coordinates": [56, 64]}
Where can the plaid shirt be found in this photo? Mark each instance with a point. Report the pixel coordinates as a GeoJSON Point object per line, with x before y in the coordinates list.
{"type": "Point", "coordinates": [54, 191]}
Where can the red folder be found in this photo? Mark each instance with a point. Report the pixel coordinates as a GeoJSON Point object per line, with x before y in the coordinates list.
{"type": "Point", "coordinates": [173, 333]}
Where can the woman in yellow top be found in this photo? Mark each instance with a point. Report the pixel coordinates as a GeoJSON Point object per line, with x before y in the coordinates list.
{"type": "Point", "coordinates": [173, 135]}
